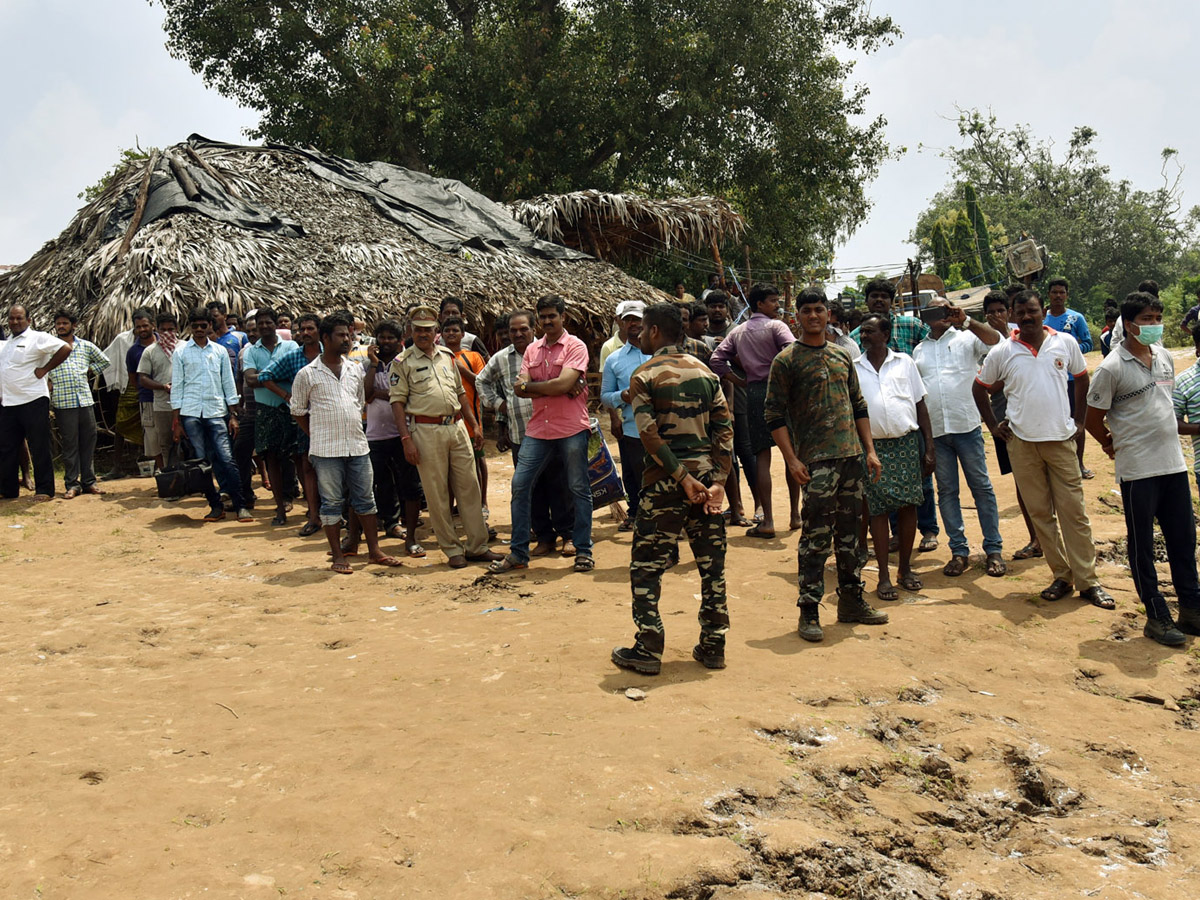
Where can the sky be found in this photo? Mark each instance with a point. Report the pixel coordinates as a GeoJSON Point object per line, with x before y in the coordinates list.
{"type": "Point", "coordinates": [82, 79]}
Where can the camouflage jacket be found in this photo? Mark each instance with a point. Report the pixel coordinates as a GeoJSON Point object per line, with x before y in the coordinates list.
{"type": "Point", "coordinates": [682, 418]}
{"type": "Point", "coordinates": [814, 391]}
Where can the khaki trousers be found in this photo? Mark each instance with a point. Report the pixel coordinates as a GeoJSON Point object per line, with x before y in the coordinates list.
{"type": "Point", "coordinates": [1047, 474]}
{"type": "Point", "coordinates": [448, 458]}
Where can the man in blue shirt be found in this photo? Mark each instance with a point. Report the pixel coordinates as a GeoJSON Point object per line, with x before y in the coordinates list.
{"type": "Point", "coordinates": [1066, 320]}
{"type": "Point", "coordinates": [274, 427]}
{"type": "Point", "coordinates": [232, 341]}
{"type": "Point", "coordinates": [203, 395]}
{"type": "Point", "coordinates": [614, 393]}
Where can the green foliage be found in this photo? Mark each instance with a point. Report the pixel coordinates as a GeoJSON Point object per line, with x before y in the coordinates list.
{"type": "Point", "coordinates": [983, 241]}
{"type": "Point", "coordinates": [941, 251]}
{"type": "Point", "coordinates": [518, 97]}
{"type": "Point", "coordinates": [962, 242]}
{"type": "Point", "coordinates": [1103, 234]}
{"type": "Point", "coordinates": [129, 156]}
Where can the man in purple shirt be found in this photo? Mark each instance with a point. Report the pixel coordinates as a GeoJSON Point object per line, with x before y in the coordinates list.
{"type": "Point", "coordinates": [754, 345]}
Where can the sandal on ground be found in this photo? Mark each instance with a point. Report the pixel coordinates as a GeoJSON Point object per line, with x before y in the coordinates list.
{"type": "Point", "coordinates": [92, 489]}
{"type": "Point", "coordinates": [910, 582]}
{"type": "Point", "coordinates": [415, 551]}
{"type": "Point", "coordinates": [740, 522]}
{"type": "Point", "coordinates": [929, 543]}
{"type": "Point", "coordinates": [956, 566]}
{"type": "Point", "coordinates": [1057, 590]}
{"type": "Point", "coordinates": [543, 550]}
{"type": "Point", "coordinates": [396, 531]}
{"type": "Point", "coordinates": [390, 561]}
{"type": "Point", "coordinates": [280, 519]}
{"type": "Point", "coordinates": [626, 525]}
{"type": "Point", "coordinates": [1098, 596]}
{"type": "Point", "coordinates": [758, 532]}
{"type": "Point", "coordinates": [887, 592]}
{"type": "Point", "coordinates": [508, 564]}
{"type": "Point", "coordinates": [996, 565]}
{"type": "Point", "coordinates": [584, 564]}
{"type": "Point", "coordinates": [347, 553]}
{"type": "Point", "coordinates": [1029, 551]}
{"type": "Point", "coordinates": [341, 568]}
{"type": "Point", "coordinates": [309, 529]}
{"type": "Point", "coordinates": [71, 494]}
{"type": "Point", "coordinates": [568, 549]}
{"type": "Point", "coordinates": [1087, 474]}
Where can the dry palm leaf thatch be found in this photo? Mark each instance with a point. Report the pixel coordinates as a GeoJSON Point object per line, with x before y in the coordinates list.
{"type": "Point", "coordinates": [620, 227]}
{"type": "Point", "coordinates": [342, 254]}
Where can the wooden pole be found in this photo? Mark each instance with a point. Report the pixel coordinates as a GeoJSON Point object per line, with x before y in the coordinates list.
{"type": "Point", "coordinates": [139, 207]}
{"type": "Point", "coordinates": [207, 167]}
{"type": "Point", "coordinates": [720, 265]}
{"type": "Point", "coordinates": [181, 175]}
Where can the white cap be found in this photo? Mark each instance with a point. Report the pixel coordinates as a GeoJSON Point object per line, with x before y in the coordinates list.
{"type": "Point", "coordinates": [630, 308]}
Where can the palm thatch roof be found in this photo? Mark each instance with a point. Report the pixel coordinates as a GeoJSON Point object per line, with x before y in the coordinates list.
{"type": "Point", "coordinates": [622, 227]}
{"type": "Point", "coordinates": [322, 246]}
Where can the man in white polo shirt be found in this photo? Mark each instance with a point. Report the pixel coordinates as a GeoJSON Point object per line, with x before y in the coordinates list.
{"type": "Point", "coordinates": [948, 360]}
{"type": "Point", "coordinates": [1040, 433]}
{"type": "Point", "coordinates": [1132, 390]}
{"type": "Point", "coordinates": [26, 358]}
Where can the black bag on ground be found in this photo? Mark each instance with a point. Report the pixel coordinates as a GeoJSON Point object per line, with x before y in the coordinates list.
{"type": "Point", "coordinates": [183, 477]}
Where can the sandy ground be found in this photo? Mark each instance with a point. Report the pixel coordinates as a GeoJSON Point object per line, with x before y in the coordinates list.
{"type": "Point", "coordinates": [204, 710]}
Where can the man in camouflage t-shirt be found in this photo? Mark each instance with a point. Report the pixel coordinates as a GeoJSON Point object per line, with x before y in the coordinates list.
{"type": "Point", "coordinates": [818, 417]}
{"type": "Point", "coordinates": [687, 433]}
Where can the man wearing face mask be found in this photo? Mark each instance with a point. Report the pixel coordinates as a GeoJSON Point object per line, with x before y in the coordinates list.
{"type": "Point", "coordinates": [1131, 414]}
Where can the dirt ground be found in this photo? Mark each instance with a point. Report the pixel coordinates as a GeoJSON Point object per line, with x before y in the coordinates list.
{"type": "Point", "coordinates": [204, 710]}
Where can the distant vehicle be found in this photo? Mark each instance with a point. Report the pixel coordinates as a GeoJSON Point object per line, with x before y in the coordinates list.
{"type": "Point", "coordinates": [911, 303]}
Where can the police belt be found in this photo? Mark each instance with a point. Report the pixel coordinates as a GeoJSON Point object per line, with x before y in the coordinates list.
{"type": "Point", "coordinates": [437, 420]}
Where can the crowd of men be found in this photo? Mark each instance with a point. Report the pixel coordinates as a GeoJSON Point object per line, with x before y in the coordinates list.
{"type": "Point", "coordinates": [867, 416]}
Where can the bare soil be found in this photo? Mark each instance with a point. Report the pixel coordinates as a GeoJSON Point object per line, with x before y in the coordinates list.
{"type": "Point", "coordinates": [205, 710]}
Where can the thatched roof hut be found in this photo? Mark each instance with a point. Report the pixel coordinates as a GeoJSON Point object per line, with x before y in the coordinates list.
{"type": "Point", "coordinates": [622, 227]}
{"type": "Point", "coordinates": [299, 230]}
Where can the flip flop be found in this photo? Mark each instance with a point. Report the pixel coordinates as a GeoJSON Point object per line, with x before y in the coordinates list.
{"type": "Point", "coordinates": [390, 561]}
{"type": "Point", "coordinates": [956, 566]}
{"type": "Point", "coordinates": [341, 568]}
{"type": "Point", "coordinates": [929, 543]}
{"type": "Point", "coordinates": [887, 593]}
{"type": "Point", "coordinates": [415, 551]}
{"type": "Point", "coordinates": [506, 565]}
{"type": "Point", "coordinates": [740, 522]}
{"type": "Point", "coordinates": [757, 532]}
{"type": "Point", "coordinates": [345, 552]}
{"type": "Point", "coordinates": [309, 528]}
{"type": "Point", "coordinates": [1029, 551]}
{"type": "Point", "coordinates": [397, 532]}
{"type": "Point", "coordinates": [910, 582]}
{"type": "Point", "coordinates": [1058, 590]}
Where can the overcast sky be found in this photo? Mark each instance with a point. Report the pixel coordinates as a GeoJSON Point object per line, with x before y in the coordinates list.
{"type": "Point", "coordinates": [81, 79]}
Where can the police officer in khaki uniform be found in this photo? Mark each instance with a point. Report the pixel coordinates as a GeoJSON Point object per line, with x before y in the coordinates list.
{"type": "Point", "coordinates": [426, 392]}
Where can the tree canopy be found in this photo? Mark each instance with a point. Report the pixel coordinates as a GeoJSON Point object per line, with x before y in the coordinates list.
{"type": "Point", "coordinates": [520, 97]}
{"type": "Point", "coordinates": [1103, 234]}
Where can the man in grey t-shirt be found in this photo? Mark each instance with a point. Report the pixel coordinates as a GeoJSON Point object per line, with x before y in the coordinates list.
{"type": "Point", "coordinates": [1131, 414]}
{"type": "Point", "coordinates": [154, 374]}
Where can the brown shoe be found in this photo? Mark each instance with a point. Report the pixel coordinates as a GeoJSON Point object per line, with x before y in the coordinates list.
{"type": "Point", "coordinates": [485, 556]}
{"type": "Point", "coordinates": [458, 561]}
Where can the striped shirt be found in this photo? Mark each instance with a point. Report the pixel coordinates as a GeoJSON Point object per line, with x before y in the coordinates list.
{"type": "Point", "coordinates": [907, 332]}
{"type": "Point", "coordinates": [69, 387]}
{"type": "Point", "coordinates": [1186, 397]}
{"type": "Point", "coordinates": [495, 384]}
{"type": "Point", "coordinates": [334, 406]}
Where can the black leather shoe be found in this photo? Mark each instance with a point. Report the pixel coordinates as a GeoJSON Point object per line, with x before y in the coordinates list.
{"type": "Point", "coordinates": [636, 660]}
{"type": "Point", "coordinates": [1165, 632]}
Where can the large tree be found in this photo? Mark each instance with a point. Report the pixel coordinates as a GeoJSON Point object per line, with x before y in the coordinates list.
{"type": "Point", "coordinates": [518, 97]}
{"type": "Point", "coordinates": [1103, 234]}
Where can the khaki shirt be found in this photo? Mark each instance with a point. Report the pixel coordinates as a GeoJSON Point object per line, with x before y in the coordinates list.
{"type": "Point", "coordinates": [427, 386]}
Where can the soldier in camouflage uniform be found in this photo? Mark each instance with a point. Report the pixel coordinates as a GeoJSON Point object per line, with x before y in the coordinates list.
{"type": "Point", "coordinates": [818, 418]}
{"type": "Point", "coordinates": [687, 434]}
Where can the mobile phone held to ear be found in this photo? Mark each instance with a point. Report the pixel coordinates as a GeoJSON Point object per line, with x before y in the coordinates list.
{"type": "Point", "coordinates": [931, 314]}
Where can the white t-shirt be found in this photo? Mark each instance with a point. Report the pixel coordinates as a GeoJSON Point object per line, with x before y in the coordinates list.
{"type": "Point", "coordinates": [19, 356]}
{"type": "Point", "coordinates": [948, 367]}
{"type": "Point", "coordinates": [1035, 384]}
{"type": "Point", "coordinates": [892, 394]}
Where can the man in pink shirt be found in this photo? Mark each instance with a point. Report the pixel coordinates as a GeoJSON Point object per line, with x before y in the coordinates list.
{"type": "Point", "coordinates": [551, 376]}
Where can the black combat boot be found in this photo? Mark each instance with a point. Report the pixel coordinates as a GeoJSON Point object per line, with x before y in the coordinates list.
{"type": "Point", "coordinates": [810, 623]}
{"type": "Point", "coordinates": [853, 608]}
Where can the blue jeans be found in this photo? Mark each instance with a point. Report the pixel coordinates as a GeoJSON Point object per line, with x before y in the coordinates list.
{"type": "Point", "coordinates": [535, 454]}
{"type": "Point", "coordinates": [967, 450]}
{"type": "Point", "coordinates": [336, 474]}
{"type": "Point", "coordinates": [210, 440]}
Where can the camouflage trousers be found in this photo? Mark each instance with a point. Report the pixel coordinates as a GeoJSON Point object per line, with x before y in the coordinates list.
{"type": "Point", "coordinates": [663, 514]}
{"type": "Point", "coordinates": [832, 513]}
